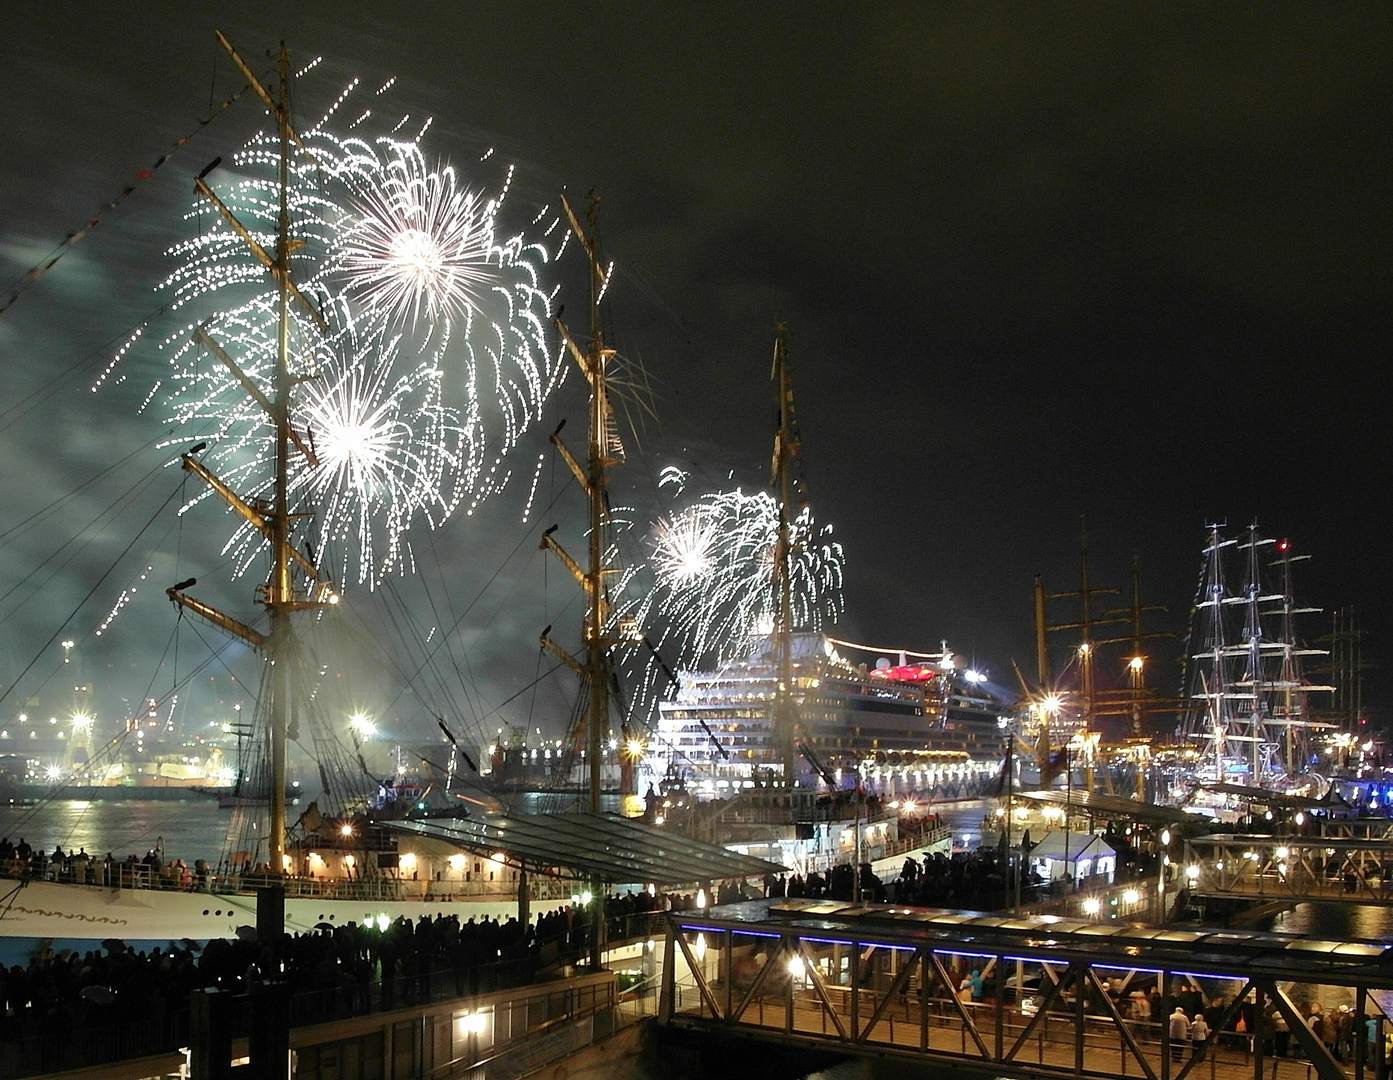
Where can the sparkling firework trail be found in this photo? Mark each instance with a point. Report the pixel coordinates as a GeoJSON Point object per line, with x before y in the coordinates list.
{"type": "Point", "coordinates": [713, 565]}
{"type": "Point", "coordinates": [417, 244]}
{"type": "Point", "coordinates": [435, 363]}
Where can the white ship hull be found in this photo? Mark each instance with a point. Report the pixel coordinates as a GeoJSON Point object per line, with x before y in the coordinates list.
{"type": "Point", "coordinates": [47, 909]}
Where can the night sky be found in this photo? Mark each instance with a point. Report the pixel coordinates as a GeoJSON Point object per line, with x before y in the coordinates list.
{"type": "Point", "coordinates": [1121, 261]}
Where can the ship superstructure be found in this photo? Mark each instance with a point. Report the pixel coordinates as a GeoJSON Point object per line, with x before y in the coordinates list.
{"type": "Point", "coordinates": [899, 726]}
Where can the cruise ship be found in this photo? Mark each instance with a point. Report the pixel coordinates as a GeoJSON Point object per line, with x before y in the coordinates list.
{"type": "Point", "coordinates": [905, 722]}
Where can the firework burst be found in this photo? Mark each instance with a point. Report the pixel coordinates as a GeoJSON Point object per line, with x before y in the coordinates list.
{"type": "Point", "coordinates": [415, 243]}
{"type": "Point", "coordinates": [434, 363]}
{"type": "Point", "coordinates": [713, 566]}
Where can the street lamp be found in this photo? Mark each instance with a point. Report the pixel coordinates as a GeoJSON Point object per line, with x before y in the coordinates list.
{"type": "Point", "coordinates": [1161, 882]}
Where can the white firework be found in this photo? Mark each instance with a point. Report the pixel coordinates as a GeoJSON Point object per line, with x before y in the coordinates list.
{"type": "Point", "coordinates": [384, 447]}
{"type": "Point", "coordinates": [436, 356]}
{"type": "Point", "coordinates": [416, 244]}
{"type": "Point", "coordinates": [714, 569]}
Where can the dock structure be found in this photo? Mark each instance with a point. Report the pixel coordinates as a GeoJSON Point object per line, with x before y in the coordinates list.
{"type": "Point", "coordinates": [1349, 868]}
{"type": "Point", "coordinates": [1036, 996]}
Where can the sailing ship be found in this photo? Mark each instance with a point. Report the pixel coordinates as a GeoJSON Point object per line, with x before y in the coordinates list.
{"type": "Point", "coordinates": [335, 861]}
{"type": "Point", "coordinates": [1250, 718]}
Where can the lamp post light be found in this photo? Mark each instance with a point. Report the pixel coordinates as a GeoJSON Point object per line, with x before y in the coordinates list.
{"type": "Point", "coordinates": [1161, 882]}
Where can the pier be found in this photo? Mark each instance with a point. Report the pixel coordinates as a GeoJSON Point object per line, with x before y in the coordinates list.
{"type": "Point", "coordinates": [1293, 869]}
{"type": "Point", "coordinates": [1039, 996]}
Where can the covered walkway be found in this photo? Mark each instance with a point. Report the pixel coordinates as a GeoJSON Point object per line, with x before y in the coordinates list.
{"type": "Point", "coordinates": [1035, 995]}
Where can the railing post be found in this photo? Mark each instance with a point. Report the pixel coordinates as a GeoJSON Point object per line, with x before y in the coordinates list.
{"type": "Point", "coordinates": [729, 973]}
{"type": "Point", "coordinates": [791, 947]}
{"type": "Point", "coordinates": [665, 995]}
{"type": "Point", "coordinates": [1080, 1001]}
{"type": "Point", "coordinates": [999, 1009]}
{"type": "Point", "coordinates": [1256, 1033]}
{"type": "Point", "coordinates": [1164, 980]}
{"type": "Point", "coordinates": [855, 990]}
{"type": "Point", "coordinates": [924, 978]}
{"type": "Point", "coordinates": [1361, 1038]}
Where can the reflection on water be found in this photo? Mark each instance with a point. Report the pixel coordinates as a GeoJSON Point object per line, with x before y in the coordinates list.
{"type": "Point", "coordinates": [1337, 921]}
{"type": "Point", "coordinates": [192, 829]}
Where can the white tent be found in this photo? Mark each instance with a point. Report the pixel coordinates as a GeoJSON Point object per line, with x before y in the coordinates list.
{"type": "Point", "coordinates": [1075, 855]}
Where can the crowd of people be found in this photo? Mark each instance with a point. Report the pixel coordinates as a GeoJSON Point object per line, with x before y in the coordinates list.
{"type": "Point", "coordinates": [977, 879]}
{"type": "Point", "coordinates": [332, 971]}
{"type": "Point", "coordinates": [78, 867]}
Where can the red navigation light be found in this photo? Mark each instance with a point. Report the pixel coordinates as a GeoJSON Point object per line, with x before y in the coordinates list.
{"type": "Point", "coordinates": [1282, 545]}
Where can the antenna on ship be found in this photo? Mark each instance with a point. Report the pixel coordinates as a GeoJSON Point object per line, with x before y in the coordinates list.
{"type": "Point", "coordinates": [786, 449]}
{"type": "Point", "coordinates": [280, 595]}
{"type": "Point", "coordinates": [603, 449]}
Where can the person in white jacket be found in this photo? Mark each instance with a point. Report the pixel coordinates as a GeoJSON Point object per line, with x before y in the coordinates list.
{"type": "Point", "coordinates": [1199, 1032]}
{"type": "Point", "coordinates": [1179, 1031]}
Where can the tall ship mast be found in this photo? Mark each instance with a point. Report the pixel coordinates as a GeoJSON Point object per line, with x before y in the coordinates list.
{"type": "Point", "coordinates": [294, 583]}
{"type": "Point", "coordinates": [603, 450]}
{"type": "Point", "coordinates": [1248, 709]}
{"type": "Point", "coordinates": [795, 708]}
{"type": "Point", "coordinates": [786, 450]}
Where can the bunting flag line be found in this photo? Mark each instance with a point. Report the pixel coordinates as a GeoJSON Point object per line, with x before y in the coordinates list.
{"type": "Point", "coordinates": [37, 271]}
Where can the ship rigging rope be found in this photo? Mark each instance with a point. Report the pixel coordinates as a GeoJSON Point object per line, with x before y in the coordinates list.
{"type": "Point", "coordinates": [45, 511]}
{"type": "Point", "coordinates": [10, 897]}
{"type": "Point", "coordinates": [29, 402]}
{"type": "Point", "coordinates": [90, 593]}
{"type": "Point", "coordinates": [39, 269]}
{"type": "Point", "coordinates": [411, 680]}
{"type": "Point", "coordinates": [59, 569]}
{"type": "Point", "coordinates": [109, 748]}
{"type": "Point", "coordinates": [872, 649]}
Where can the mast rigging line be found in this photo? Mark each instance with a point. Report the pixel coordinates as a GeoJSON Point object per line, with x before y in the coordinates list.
{"type": "Point", "coordinates": [108, 748]}
{"type": "Point", "coordinates": [46, 390]}
{"type": "Point", "coordinates": [445, 635]}
{"type": "Point", "coordinates": [77, 550]}
{"type": "Point", "coordinates": [38, 515]}
{"type": "Point", "coordinates": [434, 550]}
{"type": "Point", "coordinates": [22, 283]}
{"type": "Point", "coordinates": [90, 593]}
{"type": "Point", "coordinates": [892, 652]}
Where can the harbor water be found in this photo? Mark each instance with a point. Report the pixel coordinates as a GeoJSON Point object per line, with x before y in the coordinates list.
{"type": "Point", "coordinates": [183, 829]}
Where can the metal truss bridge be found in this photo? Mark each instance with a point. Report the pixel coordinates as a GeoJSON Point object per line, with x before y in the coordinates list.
{"type": "Point", "coordinates": [1054, 997]}
{"type": "Point", "coordinates": [1291, 868]}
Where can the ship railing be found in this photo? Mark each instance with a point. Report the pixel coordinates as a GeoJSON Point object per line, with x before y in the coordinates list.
{"type": "Point", "coordinates": [927, 838]}
{"type": "Point", "coordinates": [126, 875]}
{"type": "Point", "coordinates": [886, 849]}
{"type": "Point", "coordinates": [389, 888]}
{"type": "Point", "coordinates": [113, 875]}
{"type": "Point", "coordinates": [754, 813]}
{"type": "Point", "coordinates": [322, 889]}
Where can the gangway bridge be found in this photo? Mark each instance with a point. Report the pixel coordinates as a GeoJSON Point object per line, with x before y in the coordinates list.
{"type": "Point", "coordinates": [1348, 868]}
{"type": "Point", "coordinates": [1052, 997]}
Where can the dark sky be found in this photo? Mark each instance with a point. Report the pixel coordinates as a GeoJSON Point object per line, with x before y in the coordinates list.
{"type": "Point", "coordinates": [1122, 261]}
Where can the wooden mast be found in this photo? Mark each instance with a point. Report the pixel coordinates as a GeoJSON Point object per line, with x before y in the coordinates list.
{"type": "Point", "coordinates": [279, 595]}
{"type": "Point", "coordinates": [785, 716]}
{"type": "Point", "coordinates": [602, 451]}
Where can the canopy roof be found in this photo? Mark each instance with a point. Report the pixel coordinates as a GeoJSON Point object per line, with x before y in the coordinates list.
{"type": "Point", "coordinates": [616, 849]}
{"type": "Point", "coordinates": [1109, 806]}
{"type": "Point", "coordinates": [1268, 797]}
